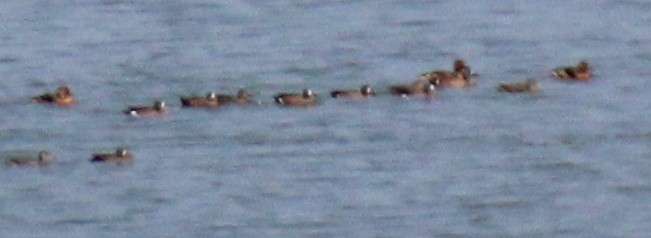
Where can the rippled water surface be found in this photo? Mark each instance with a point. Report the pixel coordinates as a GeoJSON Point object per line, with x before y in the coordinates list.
{"type": "Point", "coordinates": [569, 161]}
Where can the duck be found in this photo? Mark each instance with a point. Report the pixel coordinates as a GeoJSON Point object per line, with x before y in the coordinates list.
{"type": "Point", "coordinates": [460, 77]}
{"type": "Point", "coordinates": [158, 108]}
{"type": "Point", "coordinates": [364, 91]}
{"type": "Point", "coordinates": [529, 85]}
{"type": "Point", "coordinates": [120, 155]}
{"type": "Point", "coordinates": [62, 96]}
{"type": "Point", "coordinates": [579, 72]}
{"type": "Point", "coordinates": [44, 157]}
{"type": "Point", "coordinates": [242, 97]}
{"type": "Point", "coordinates": [417, 88]}
{"type": "Point", "coordinates": [210, 100]}
{"type": "Point", "coordinates": [304, 99]}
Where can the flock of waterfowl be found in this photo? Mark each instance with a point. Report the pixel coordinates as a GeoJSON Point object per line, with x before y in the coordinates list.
{"type": "Point", "coordinates": [425, 86]}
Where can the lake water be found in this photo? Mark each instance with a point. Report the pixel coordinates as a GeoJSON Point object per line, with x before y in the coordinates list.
{"type": "Point", "coordinates": [570, 161]}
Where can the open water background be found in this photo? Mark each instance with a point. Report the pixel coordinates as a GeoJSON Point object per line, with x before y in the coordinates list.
{"type": "Point", "coordinates": [570, 161]}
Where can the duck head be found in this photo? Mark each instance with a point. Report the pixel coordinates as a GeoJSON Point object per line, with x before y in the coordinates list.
{"type": "Point", "coordinates": [159, 105]}
{"type": "Point", "coordinates": [366, 90]}
{"type": "Point", "coordinates": [44, 156]}
{"type": "Point", "coordinates": [243, 94]}
{"type": "Point", "coordinates": [308, 93]}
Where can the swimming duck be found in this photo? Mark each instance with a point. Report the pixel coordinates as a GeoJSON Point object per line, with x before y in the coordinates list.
{"type": "Point", "coordinates": [417, 88]}
{"type": "Point", "coordinates": [62, 96]}
{"type": "Point", "coordinates": [363, 92]}
{"type": "Point", "coordinates": [579, 72]}
{"type": "Point", "coordinates": [304, 99]}
{"type": "Point", "coordinates": [44, 157]}
{"type": "Point", "coordinates": [458, 78]}
{"type": "Point", "coordinates": [210, 100]}
{"type": "Point", "coordinates": [157, 109]}
{"type": "Point", "coordinates": [529, 85]}
{"type": "Point", "coordinates": [120, 155]}
{"type": "Point", "coordinates": [242, 97]}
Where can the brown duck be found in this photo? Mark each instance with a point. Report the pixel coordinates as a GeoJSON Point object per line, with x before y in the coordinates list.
{"type": "Point", "coordinates": [43, 158]}
{"type": "Point", "coordinates": [62, 96]}
{"type": "Point", "coordinates": [242, 97]}
{"type": "Point", "coordinates": [417, 88]}
{"type": "Point", "coordinates": [458, 78]}
{"type": "Point", "coordinates": [364, 91]}
{"type": "Point", "coordinates": [579, 72]}
{"type": "Point", "coordinates": [529, 85]}
{"type": "Point", "coordinates": [158, 108]}
{"type": "Point", "coordinates": [121, 155]}
{"type": "Point", "coordinates": [210, 100]}
{"type": "Point", "coordinates": [304, 99]}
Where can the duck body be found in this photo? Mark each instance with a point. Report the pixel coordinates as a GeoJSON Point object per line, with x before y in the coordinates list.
{"type": "Point", "coordinates": [418, 88]}
{"type": "Point", "coordinates": [210, 100]}
{"type": "Point", "coordinates": [365, 91]}
{"type": "Point", "coordinates": [530, 85]}
{"type": "Point", "coordinates": [119, 156]}
{"type": "Point", "coordinates": [458, 78]}
{"type": "Point", "coordinates": [242, 97]}
{"type": "Point", "coordinates": [447, 79]}
{"type": "Point", "coordinates": [304, 99]}
{"type": "Point", "coordinates": [158, 108]}
{"type": "Point", "coordinates": [580, 72]}
{"type": "Point", "coordinates": [43, 158]}
{"type": "Point", "coordinates": [62, 96]}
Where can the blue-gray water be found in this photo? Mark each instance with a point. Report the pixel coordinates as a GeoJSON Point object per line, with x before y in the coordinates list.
{"type": "Point", "coordinates": [570, 161]}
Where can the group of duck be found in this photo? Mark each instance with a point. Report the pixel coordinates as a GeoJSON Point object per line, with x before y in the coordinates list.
{"type": "Point", "coordinates": [44, 157]}
{"type": "Point", "coordinates": [425, 86]}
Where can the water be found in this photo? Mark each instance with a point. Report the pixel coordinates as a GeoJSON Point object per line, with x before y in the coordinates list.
{"type": "Point", "coordinates": [570, 161]}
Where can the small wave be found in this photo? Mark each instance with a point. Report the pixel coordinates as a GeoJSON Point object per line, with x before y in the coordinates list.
{"type": "Point", "coordinates": [415, 23]}
{"type": "Point", "coordinates": [76, 221]}
{"type": "Point", "coordinates": [496, 204]}
{"type": "Point", "coordinates": [632, 189]}
{"type": "Point", "coordinates": [8, 59]}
